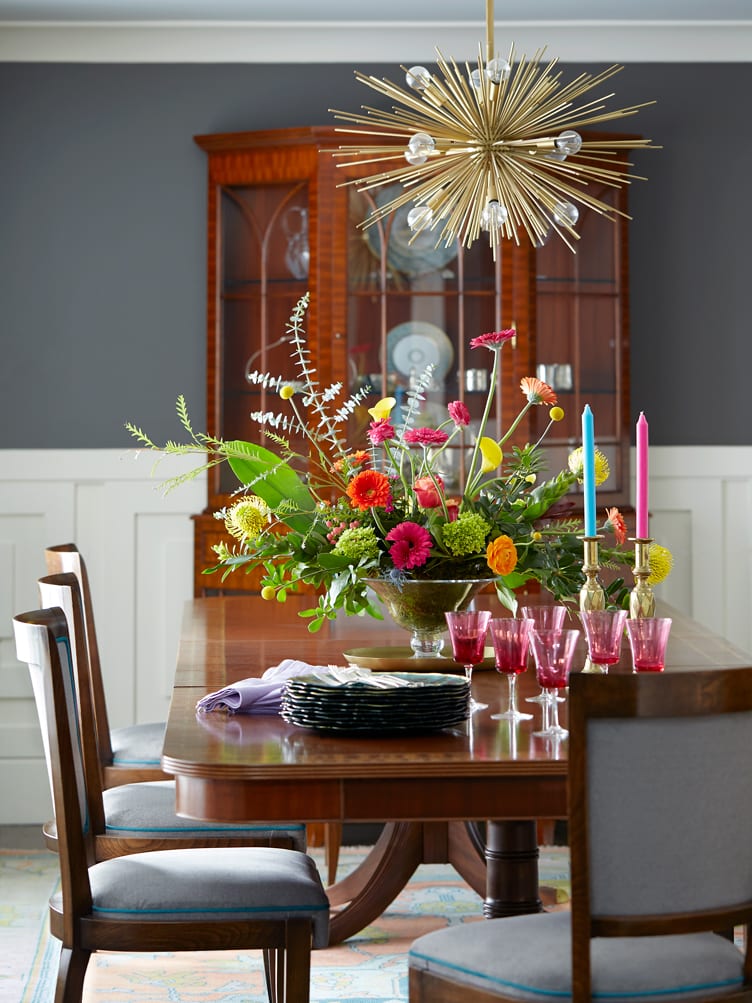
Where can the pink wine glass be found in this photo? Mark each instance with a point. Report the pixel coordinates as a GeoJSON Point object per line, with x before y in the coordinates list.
{"type": "Point", "coordinates": [511, 641]}
{"type": "Point", "coordinates": [467, 630]}
{"type": "Point", "coordinates": [553, 651]}
{"type": "Point", "coordinates": [604, 630]}
{"type": "Point", "coordinates": [648, 639]}
{"type": "Point", "coordinates": [544, 618]}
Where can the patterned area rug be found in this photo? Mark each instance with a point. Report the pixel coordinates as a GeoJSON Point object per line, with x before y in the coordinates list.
{"type": "Point", "coordinates": [368, 968]}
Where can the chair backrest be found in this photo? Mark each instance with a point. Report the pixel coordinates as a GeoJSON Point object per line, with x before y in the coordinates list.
{"type": "Point", "coordinates": [660, 805]}
{"type": "Point", "coordinates": [43, 642]}
{"type": "Point", "coordinates": [65, 557]}
{"type": "Point", "coordinates": [62, 591]}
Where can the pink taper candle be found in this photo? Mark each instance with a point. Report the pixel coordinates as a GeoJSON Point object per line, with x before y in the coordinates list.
{"type": "Point", "coordinates": [641, 506]}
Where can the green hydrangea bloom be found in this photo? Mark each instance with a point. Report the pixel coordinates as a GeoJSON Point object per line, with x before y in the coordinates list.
{"type": "Point", "coordinates": [357, 542]}
{"type": "Point", "coordinates": [466, 535]}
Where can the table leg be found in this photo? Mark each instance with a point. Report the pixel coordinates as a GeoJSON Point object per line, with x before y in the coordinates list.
{"type": "Point", "coordinates": [367, 891]}
{"type": "Point", "coordinates": [511, 869]}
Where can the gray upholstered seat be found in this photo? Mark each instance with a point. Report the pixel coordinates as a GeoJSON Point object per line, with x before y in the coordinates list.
{"type": "Point", "coordinates": [138, 744]}
{"type": "Point", "coordinates": [237, 898]}
{"type": "Point", "coordinates": [239, 883]}
{"type": "Point", "coordinates": [660, 795]}
{"type": "Point", "coordinates": [530, 958]}
{"type": "Point", "coordinates": [147, 811]}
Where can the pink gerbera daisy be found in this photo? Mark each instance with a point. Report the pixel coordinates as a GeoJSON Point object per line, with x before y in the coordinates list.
{"type": "Point", "coordinates": [494, 339]}
{"type": "Point", "coordinates": [411, 545]}
{"type": "Point", "coordinates": [381, 430]}
{"type": "Point", "coordinates": [459, 413]}
{"type": "Point", "coordinates": [425, 437]}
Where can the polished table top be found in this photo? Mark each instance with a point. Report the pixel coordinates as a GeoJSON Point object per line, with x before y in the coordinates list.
{"type": "Point", "coordinates": [428, 788]}
{"type": "Point", "coordinates": [227, 639]}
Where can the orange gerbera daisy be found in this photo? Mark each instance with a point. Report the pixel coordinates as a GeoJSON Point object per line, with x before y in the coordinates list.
{"type": "Point", "coordinates": [615, 521]}
{"type": "Point", "coordinates": [352, 460]}
{"type": "Point", "coordinates": [501, 555]}
{"type": "Point", "coordinates": [536, 391]}
{"type": "Point", "coordinates": [369, 489]}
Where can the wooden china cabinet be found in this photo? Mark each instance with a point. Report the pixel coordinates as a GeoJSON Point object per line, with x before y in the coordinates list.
{"type": "Point", "coordinates": [281, 222]}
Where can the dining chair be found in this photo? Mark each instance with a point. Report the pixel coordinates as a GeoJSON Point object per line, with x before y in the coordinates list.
{"type": "Point", "coordinates": [137, 817]}
{"type": "Point", "coordinates": [238, 898]}
{"type": "Point", "coordinates": [660, 816]}
{"type": "Point", "coordinates": [132, 753]}
{"type": "Point", "coordinates": [129, 753]}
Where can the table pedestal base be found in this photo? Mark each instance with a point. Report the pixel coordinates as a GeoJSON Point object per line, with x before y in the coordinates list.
{"type": "Point", "coordinates": [504, 873]}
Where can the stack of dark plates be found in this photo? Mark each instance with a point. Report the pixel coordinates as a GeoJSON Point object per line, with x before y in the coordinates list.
{"type": "Point", "coordinates": [356, 700]}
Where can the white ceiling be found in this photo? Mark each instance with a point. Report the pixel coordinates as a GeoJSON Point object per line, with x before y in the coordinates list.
{"type": "Point", "coordinates": [354, 31]}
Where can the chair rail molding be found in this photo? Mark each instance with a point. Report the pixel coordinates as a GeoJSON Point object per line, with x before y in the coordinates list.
{"type": "Point", "coordinates": [138, 546]}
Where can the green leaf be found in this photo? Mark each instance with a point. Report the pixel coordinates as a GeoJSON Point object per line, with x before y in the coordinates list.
{"type": "Point", "coordinates": [272, 479]}
{"type": "Point", "coordinates": [507, 596]}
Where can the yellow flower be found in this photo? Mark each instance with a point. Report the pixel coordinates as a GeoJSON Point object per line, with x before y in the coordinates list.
{"type": "Point", "coordinates": [556, 414]}
{"type": "Point", "coordinates": [602, 469]}
{"type": "Point", "coordinates": [247, 519]}
{"type": "Point", "coordinates": [661, 561]}
{"type": "Point", "coordinates": [382, 410]}
{"type": "Point", "coordinates": [286, 391]}
{"type": "Point", "coordinates": [492, 454]}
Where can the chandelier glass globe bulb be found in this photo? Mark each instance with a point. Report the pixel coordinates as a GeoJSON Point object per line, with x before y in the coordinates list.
{"type": "Point", "coordinates": [494, 215]}
{"type": "Point", "coordinates": [418, 78]}
{"type": "Point", "coordinates": [569, 142]}
{"type": "Point", "coordinates": [419, 217]}
{"type": "Point", "coordinates": [566, 213]}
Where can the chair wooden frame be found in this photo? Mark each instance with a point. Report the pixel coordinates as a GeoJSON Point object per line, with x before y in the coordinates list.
{"type": "Point", "coordinates": [286, 943]}
{"type": "Point", "coordinates": [106, 844]}
{"type": "Point", "coordinates": [690, 694]}
{"type": "Point", "coordinates": [66, 558]}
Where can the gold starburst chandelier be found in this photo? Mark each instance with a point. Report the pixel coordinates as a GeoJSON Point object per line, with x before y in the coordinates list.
{"type": "Point", "coordinates": [494, 148]}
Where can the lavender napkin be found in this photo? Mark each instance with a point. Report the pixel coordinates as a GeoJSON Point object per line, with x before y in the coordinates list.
{"type": "Point", "coordinates": [258, 695]}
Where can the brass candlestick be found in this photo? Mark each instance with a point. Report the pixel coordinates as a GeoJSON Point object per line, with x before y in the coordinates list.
{"type": "Point", "coordinates": [641, 598]}
{"type": "Point", "coordinates": [592, 595]}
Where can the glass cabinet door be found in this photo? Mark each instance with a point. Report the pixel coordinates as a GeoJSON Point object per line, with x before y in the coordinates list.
{"type": "Point", "coordinates": [264, 269]}
{"type": "Point", "coordinates": [581, 348]}
{"type": "Point", "coordinates": [411, 303]}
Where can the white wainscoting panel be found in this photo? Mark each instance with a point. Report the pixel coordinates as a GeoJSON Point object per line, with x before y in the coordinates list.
{"type": "Point", "coordinates": [138, 545]}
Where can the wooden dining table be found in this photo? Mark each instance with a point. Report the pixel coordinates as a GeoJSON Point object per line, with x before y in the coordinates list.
{"type": "Point", "coordinates": [470, 795]}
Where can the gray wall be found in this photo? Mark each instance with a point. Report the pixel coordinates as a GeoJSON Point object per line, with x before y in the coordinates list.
{"type": "Point", "coordinates": [102, 240]}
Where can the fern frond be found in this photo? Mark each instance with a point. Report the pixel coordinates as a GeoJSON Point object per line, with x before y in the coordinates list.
{"type": "Point", "coordinates": [138, 433]}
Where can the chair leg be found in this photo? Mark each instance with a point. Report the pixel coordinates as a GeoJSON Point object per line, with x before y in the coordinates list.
{"type": "Point", "coordinates": [71, 973]}
{"type": "Point", "coordinates": [271, 973]}
{"type": "Point", "coordinates": [297, 961]}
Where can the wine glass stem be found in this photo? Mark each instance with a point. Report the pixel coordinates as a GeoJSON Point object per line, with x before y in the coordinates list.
{"type": "Point", "coordinates": [554, 712]}
{"type": "Point", "coordinates": [512, 693]}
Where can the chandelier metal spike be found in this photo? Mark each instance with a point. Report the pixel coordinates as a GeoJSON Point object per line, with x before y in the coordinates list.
{"type": "Point", "coordinates": [494, 149]}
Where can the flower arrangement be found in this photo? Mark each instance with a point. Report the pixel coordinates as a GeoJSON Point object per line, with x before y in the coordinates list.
{"type": "Point", "coordinates": [334, 517]}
